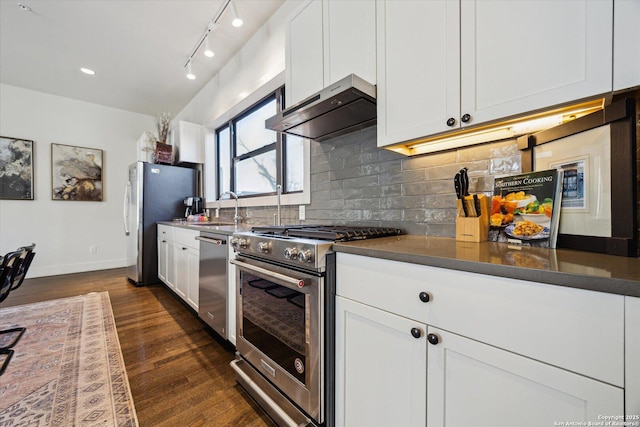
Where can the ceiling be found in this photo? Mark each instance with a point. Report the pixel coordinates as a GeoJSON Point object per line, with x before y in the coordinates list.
{"type": "Point", "coordinates": [137, 48]}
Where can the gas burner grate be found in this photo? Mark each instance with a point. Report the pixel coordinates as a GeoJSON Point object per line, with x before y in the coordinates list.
{"type": "Point", "coordinates": [334, 233]}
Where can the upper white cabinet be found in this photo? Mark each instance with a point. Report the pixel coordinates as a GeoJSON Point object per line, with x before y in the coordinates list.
{"type": "Point", "coordinates": [418, 68]}
{"type": "Point", "coordinates": [326, 41]}
{"type": "Point", "coordinates": [443, 65]}
{"type": "Point", "coordinates": [188, 142]}
{"type": "Point", "coordinates": [626, 33]}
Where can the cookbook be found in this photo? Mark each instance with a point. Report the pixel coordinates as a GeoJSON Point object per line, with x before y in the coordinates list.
{"type": "Point", "coordinates": [525, 208]}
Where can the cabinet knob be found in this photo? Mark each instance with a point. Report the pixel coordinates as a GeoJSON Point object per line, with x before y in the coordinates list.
{"type": "Point", "coordinates": [465, 118]}
{"type": "Point", "coordinates": [424, 297]}
{"type": "Point", "coordinates": [451, 122]}
{"type": "Point", "coordinates": [433, 339]}
{"type": "Point", "coordinates": [416, 332]}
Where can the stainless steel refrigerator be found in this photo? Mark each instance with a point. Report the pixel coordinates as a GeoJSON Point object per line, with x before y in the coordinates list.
{"type": "Point", "coordinates": [153, 193]}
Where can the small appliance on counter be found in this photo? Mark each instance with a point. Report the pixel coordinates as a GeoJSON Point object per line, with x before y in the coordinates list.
{"type": "Point", "coordinates": [194, 206]}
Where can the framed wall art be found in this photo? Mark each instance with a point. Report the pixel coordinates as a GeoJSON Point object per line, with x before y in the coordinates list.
{"type": "Point", "coordinates": [598, 154]}
{"type": "Point", "coordinates": [16, 169]}
{"type": "Point", "coordinates": [76, 173]}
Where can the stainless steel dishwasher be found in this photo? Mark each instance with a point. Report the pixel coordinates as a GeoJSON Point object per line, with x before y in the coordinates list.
{"type": "Point", "coordinates": [212, 305]}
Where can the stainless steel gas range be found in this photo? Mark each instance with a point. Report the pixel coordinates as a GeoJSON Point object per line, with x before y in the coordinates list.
{"type": "Point", "coordinates": [285, 285]}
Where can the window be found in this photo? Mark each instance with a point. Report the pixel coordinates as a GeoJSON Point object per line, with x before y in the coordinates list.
{"type": "Point", "coordinates": [252, 160]}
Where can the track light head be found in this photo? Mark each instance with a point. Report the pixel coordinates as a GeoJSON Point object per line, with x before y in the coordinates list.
{"type": "Point", "coordinates": [208, 52]}
{"type": "Point", "coordinates": [190, 74]}
{"type": "Point", "coordinates": [237, 22]}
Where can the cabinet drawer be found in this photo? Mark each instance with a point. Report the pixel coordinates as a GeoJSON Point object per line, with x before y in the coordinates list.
{"type": "Point", "coordinates": [165, 232]}
{"type": "Point", "coordinates": [185, 237]}
{"type": "Point", "coordinates": [582, 331]}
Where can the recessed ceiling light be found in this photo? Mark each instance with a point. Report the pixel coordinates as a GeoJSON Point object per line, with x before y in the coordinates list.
{"type": "Point", "coordinates": [24, 7]}
{"type": "Point", "coordinates": [87, 71]}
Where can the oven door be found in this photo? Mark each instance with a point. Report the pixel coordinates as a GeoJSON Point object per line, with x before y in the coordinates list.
{"type": "Point", "coordinates": [279, 329]}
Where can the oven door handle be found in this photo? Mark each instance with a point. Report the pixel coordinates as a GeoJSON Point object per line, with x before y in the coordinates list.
{"type": "Point", "coordinates": [300, 283]}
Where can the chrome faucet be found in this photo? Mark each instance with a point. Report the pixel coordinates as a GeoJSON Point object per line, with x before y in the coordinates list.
{"type": "Point", "coordinates": [236, 218]}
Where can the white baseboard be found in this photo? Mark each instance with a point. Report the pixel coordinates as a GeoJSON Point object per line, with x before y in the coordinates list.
{"type": "Point", "coordinates": [56, 270]}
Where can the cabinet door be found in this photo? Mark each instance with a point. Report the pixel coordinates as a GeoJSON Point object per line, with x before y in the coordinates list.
{"type": "Point", "coordinates": [474, 384]}
{"type": "Point", "coordinates": [188, 140]}
{"type": "Point", "coordinates": [171, 265]}
{"type": "Point", "coordinates": [626, 60]}
{"type": "Point", "coordinates": [632, 356]}
{"type": "Point", "coordinates": [303, 50]}
{"type": "Point", "coordinates": [193, 268]}
{"type": "Point", "coordinates": [418, 68]}
{"type": "Point", "coordinates": [519, 56]}
{"type": "Point", "coordinates": [380, 368]}
{"type": "Point", "coordinates": [181, 270]}
{"type": "Point", "coordinates": [162, 259]}
{"type": "Point", "coordinates": [349, 40]}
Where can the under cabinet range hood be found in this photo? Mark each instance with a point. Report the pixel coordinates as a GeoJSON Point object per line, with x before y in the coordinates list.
{"type": "Point", "coordinates": [345, 106]}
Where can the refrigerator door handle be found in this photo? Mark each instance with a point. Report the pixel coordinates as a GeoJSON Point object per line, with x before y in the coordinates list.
{"type": "Point", "coordinates": [125, 207]}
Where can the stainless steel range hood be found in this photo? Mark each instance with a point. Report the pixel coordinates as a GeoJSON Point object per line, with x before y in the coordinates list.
{"type": "Point", "coordinates": [345, 106]}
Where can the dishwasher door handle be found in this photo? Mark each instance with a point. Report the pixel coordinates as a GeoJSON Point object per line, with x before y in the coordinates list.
{"type": "Point", "coordinates": [212, 241]}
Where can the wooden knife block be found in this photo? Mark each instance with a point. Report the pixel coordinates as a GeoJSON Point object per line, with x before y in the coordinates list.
{"type": "Point", "coordinates": [473, 229]}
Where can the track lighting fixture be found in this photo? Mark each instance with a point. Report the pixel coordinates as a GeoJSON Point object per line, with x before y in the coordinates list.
{"type": "Point", "coordinates": [190, 74]}
{"type": "Point", "coordinates": [204, 39]}
{"type": "Point", "coordinates": [237, 22]}
{"type": "Point", "coordinates": [207, 48]}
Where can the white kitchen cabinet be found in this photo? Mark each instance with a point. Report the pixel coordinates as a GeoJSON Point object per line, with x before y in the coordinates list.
{"type": "Point", "coordinates": [418, 54]}
{"type": "Point", "coordinates": [179, 262]}
{"type": "Point", "coordinates": [188, 142]}
{"type": "Point", "coordinates": [381, 367]}
{"type": "Point", "coordinates": [530, 344]}
{"type": "Point", "coordinates": [444, 65]}
{"type": "Point", "coordinates": [164, 236]}
{"type": "Point", "coordinates": [349, 34]}
{"type": "Point", "coordinates": [632, 357]}
{"type": "Point", "coordinates": [326, 41]}
{"type": "Point", "coordinates": [474, 384]}
{"type": "Point", "coordinates": [187, 264]}
{"type": "Point", "coordinates": [626, 33]}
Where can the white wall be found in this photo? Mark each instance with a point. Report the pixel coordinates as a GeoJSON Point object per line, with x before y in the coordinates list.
{"type": "Point", "coordinates": [64, 230]}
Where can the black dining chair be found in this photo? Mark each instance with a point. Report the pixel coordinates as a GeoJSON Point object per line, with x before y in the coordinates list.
{"type": "Point", "coordinates": [26, 258]}
{"type": "Point", "coordinates": [13, 269]}
{"type": "Point", "coordinates": [9, 268]}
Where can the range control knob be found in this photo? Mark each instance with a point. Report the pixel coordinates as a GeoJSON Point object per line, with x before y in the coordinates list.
{"type": "Point", "coordinates": [242, 243]}
{"type": "Point", "coordinates": [263, 247]}
{"type": "Point", "coordinates": [305, 256]}
{"type": "Point", "coordinates": [234, 242]}
{"type": "Point", "coordinates": [291, 253]}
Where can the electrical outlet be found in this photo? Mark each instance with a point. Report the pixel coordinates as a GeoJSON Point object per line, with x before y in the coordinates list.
{"type": "Point", "coordinates": [93, 249]}
{"type": "Point", "coordinates": [301, 212]}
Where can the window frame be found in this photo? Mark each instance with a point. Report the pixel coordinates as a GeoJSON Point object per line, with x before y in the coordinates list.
{"type": "Point", "coordinates": [212, 180]}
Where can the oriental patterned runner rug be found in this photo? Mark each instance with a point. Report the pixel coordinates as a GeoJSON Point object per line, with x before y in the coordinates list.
{"type": "Point", "coordinates": [67, 369]}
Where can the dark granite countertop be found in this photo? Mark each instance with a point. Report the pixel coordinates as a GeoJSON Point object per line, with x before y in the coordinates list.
{"type": "Point", "coordinates": [564, 267]}
{"type": "Point", "coordinates": [213, 227]}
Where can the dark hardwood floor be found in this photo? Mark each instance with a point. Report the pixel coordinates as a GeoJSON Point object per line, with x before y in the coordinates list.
{"type": "Point", "coordinates": [178, 368]}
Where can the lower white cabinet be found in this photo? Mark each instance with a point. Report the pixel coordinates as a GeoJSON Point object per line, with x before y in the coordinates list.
{"type": "Point", "coordinates": [381, 368]}
{"type": "Point", "coordinates": [632, 358]}
{"type": "Point", "coordinates": [418, 345]}
{"type": "Point", "coordinates": [178, 262]}
{"type": "Point", "coordinates": [474, 384]}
